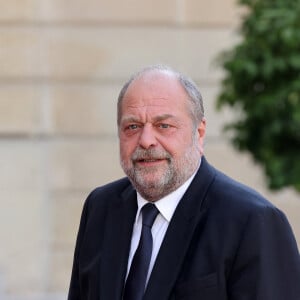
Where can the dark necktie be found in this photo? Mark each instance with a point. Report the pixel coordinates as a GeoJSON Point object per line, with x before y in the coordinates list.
{"type": "Point", "coordinates": [136, 280]}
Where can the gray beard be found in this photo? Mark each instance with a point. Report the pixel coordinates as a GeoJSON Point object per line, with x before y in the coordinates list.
{"type": "Point", "coordinates": [175, 174]}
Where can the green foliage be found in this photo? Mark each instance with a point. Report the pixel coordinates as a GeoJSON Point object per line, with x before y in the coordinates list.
{"type": "Point", "coordinates": [262, 82]}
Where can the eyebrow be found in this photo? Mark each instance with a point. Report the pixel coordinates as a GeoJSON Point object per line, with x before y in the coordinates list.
{"type": "Point", "coordinates": [155, 119]}
{"type": "Point", "coordinates": [163, 117]}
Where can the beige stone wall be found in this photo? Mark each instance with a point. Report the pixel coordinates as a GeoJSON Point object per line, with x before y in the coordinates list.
{"type": "Point", "coordinates": [62, 64]}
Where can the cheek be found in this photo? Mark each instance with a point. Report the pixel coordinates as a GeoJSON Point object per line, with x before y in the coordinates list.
{"type": "Point", "coordinates": [124, 153]}
{"type": "Point", "coordinates": [127, 147]}
{"type": "Point", "coordinates": [177, 143]}
{"type": "Point", "coordinates": [179, 147]}
{"type": "Point", "coordinates": [171, 146]}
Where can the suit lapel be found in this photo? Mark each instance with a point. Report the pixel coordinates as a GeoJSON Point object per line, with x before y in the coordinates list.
{"type": "Point", "coordinates": [178, 237]}
{"type": "Point", "coordinates": [116, 245]}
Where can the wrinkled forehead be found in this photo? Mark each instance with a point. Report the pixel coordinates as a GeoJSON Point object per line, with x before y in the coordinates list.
{"type": "Point", "coordinates": [155, 86]}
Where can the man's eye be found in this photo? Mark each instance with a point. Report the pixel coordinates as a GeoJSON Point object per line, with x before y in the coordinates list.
{"type": "Point", "coordinates": [132, 126]}
{"type": "Point", "coordinates": [163, 125]}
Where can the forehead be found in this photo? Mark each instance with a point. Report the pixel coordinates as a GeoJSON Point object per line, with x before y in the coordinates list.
{"type": "Point", "coordinates": [161, 89]}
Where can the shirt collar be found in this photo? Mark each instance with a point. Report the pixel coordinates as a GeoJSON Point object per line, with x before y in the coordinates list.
{"type": "Point", "coordinates": [167, 204]}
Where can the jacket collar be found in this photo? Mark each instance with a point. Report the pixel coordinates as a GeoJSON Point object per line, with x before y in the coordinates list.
{"type": "Point", "coordinates": [116, 245]}
{"type": "Point", "coordinates": [178, 237]}
{"type": "Point", "coordinates": [187, 216]}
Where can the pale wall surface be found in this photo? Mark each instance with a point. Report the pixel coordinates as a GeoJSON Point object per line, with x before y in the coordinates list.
{"type": "Point", "coordinates": [62, 64]}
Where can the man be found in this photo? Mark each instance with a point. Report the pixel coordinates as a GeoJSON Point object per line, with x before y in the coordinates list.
{"type": "Point", "coordinates": [212, 238]}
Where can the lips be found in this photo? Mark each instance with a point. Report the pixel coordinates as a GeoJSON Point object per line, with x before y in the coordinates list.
{"type": "Point", "coordinates": [149, 160]}
{"type": "Point", "coordinates": [150, 156]}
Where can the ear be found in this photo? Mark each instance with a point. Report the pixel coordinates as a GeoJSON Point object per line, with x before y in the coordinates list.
{"type": "Point", "coordinates": [201, 135]}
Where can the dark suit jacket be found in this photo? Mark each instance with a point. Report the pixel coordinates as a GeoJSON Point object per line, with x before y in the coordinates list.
{"type": "Point", "coordinates": [224, 242]}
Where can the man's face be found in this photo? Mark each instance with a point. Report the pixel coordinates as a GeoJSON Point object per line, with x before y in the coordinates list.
{"type": "Point", "coordinates": [159, 146]}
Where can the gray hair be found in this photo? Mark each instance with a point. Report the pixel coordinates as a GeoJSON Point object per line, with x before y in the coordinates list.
{"type": "Point", "coordinates": [196, 108]}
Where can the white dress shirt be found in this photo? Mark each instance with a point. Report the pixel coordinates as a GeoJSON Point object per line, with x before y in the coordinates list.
{"type": "Point", "coordinates": [166, 207]}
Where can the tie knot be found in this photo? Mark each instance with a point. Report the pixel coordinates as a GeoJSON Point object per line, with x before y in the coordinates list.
{"type": "Point", "coordinates": [149, 212]}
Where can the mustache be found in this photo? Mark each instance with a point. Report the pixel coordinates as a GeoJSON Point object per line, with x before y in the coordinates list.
{"type": "Point", "coordinates": [141, 154]}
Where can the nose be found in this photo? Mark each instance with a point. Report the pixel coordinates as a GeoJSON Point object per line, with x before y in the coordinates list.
{"type": "Point", "coordinates": [147, 138]}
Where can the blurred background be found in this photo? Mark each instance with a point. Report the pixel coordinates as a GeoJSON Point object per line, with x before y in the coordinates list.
{"type": "Point", "coordinates": [62, 64]}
